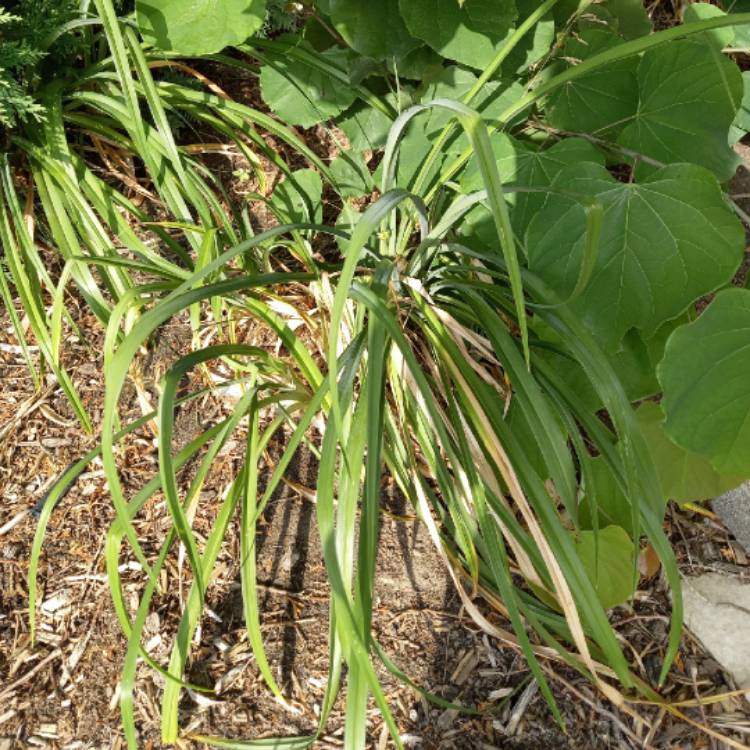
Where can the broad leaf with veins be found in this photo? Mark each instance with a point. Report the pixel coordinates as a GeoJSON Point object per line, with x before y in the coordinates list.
{"type": "Point", "coordinates": [470, 33]}
{"type": "Point", "coordinates": [666, 241]}
{"type": "Point", "coordinates": [602, 101]}
{"type": "Point", "coordinates": [705, 374]}
{"type": "Point", "coordinates": [689, 96]}
{"type": "Point", "coordinates": [676, 104]}
{"type": "Point", "coordinates": [374, 29]}
{"type": "Point", "coordinates": [199, 27]}
{"type": "Point", "coordinates": [303, 95]}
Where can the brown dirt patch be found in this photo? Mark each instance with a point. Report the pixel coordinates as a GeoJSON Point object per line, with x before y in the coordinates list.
{"type": "Point", "coordinates": [61, 693]}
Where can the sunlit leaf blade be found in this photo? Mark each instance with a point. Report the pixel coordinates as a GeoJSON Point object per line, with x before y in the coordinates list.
{"type": "Point", "coordinates": [373, 29]}
{"type": "Point", "coordinates": [469, 33]}
{"type": "Point", "coordinates": [406, 353]}
{"type": "Point", "coordinates": [303, 95]}
{"type": "Point", "coordinates": [198, 28]}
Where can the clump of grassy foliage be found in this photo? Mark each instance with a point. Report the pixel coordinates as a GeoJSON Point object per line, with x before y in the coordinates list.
{"type": "Point", "coordinates": [455, 342]}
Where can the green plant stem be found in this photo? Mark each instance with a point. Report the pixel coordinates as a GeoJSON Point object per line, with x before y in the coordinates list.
{"type": "Point", "coordinates": [488, 73]}
{"type": "Point", "coordinates": [622, 51]}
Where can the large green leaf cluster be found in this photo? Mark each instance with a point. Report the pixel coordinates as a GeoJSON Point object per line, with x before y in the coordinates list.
{"type": "Point", "coordinates": [647, 137]}
{"type": "Point", "coordinates": [200, 26]}
{"type": "Point", "coordinates": [644, 137]}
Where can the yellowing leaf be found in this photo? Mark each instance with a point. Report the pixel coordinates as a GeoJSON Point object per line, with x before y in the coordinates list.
{"type": "Point", "coordinates": [607, 556]}
{"type": "Point", "coordinates": [685, 477]}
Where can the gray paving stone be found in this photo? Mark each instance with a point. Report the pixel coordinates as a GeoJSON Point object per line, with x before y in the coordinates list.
{"type": "Point", "coordinates": [717, 611]}
{"type": "Point", "coordinates": [733, 508]}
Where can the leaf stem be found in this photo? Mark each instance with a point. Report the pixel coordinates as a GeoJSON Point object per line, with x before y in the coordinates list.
{"type": "Point", "coordinates": [488, 73]}
{"type": "Point", "coordinates": [622, 51]}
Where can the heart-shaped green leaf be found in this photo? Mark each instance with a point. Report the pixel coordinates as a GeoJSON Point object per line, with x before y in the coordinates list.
{"type": "Point", "coordinates": [676, 104]}
{"type": "Point", "coordinates": [689, 96]}
{"type": "Point", "coordinates": [665, 242]}
{"type": "Point", "coordinates": [198, 27]}
{"type": "Point", "coordinates": [628, 17]}
{"type": "Point", "coordinates": [602, 101]}
{"type": "Point", "coordinates": [374, 29]}
{"type": "Point", "coordinates": [302, 95]}
{"type": "Point", "coordinates": [704, 375]}
{"type": "Point", "coordinates": [470, 33]}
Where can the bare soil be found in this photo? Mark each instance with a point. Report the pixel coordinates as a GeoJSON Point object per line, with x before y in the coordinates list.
{"type": "Point", "coordinates": [61, 693]}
